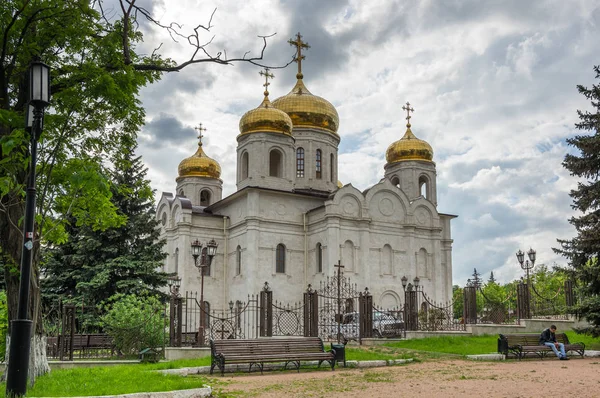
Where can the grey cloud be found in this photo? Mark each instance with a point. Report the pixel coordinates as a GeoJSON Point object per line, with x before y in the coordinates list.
{"type": "Point", "coordinates": [166, 130]}
{"type": "Point", "coordinates": [162, 96]}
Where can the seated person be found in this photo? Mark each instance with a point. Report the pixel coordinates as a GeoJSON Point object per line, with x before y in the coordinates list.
{"type": "Point", "coordinates": [548, 338]}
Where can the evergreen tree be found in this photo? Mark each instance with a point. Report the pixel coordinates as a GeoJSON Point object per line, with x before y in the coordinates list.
{"type": "Point", "coordinates": [94, 265]}
{"type": "Point", "coordinates": [492, 279]}
{"type": "Point", "coordinates": [583, 251]}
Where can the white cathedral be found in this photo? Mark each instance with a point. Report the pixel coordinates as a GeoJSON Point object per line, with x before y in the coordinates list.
{"type": "Point", "coordinates": [290, 220]}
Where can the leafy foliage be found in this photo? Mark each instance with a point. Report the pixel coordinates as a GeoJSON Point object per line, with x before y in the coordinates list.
{"type": "Point", "coordinates": [583, 251]}
{"type": "Point", "coordinates": [95, 264]}
{"type": "Point", "coordinates": [135, 323]}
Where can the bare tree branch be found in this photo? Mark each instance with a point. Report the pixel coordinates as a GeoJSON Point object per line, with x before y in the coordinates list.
{"type": "Point", "coordinates": [130, 12]}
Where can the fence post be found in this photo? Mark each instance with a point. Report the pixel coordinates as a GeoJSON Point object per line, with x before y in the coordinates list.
{"type": "Point", "coordinates": [569, 296]}
{"type": "Point", "coordinates": [266, 311]}
{"type": "Point", "coordinates": [411, 308]}
{"type": "Point", "coordinates": [470, 305]}
{"type": "Point", "coordinates": [365, 315]}
{"type": "Point", "coordinates": [311, 313]}
{"type": "Point", "coordinates": [523, 305]}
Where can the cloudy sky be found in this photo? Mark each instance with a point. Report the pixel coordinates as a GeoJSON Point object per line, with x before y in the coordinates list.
{"type": "Point", "coordinates": [493, 84]}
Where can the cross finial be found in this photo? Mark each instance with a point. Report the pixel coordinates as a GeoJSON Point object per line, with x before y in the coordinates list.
{"type": "Point", "coordinates": [299, 44]}
{"type": "Point", "coordinates": [267, 76]}
{"type": "Point", "coordinates": [200, 129]}
{"type": "Point", "coordinates": [408, 110]}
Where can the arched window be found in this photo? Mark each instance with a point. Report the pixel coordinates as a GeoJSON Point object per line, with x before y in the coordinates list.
{"type": "Point", "coordinates": [181, 192]}
{"type": "Point", "coordinates": [348, 256]}
{"type": "Point", "coordinates": [424, 187]}
{"type": "Point", "coordinates": [349, 305]}
{"type": "Point", "coordinates": [275, 163]}
{"type": "Point", "coordinates": [205, 197]}
{"type": "Point", "coordinates": [300, 162]}
{"type": "Point", "coordinates": [331, 169]}
{"type": "Point", "coordinates": [386, 260]}
{"type": "Point", "coordinates": [205, 262]}
{"type": "Point", "coordinates": [318, 165]}
{"type": "Point", "coordinates": [319, 258]}
{"type": "Point", "coordinates": [238, 269]}
{"type": "Point", "coordinates": [396, 181]}
{"type": "Point", "coordinates": [422, 266]}
{"type": "Point", "coordinates": [245, 165]}
{"type": "Point", "coordinates": [176, 260]}
{"type": "Point", "coordinates": [280, 259]}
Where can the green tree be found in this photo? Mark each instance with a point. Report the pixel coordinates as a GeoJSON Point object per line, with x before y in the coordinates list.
{"type": "Point", "coordinates": [583, 250]}
{"type": "Point", "coordinates": [96, 75]}
{"type": "Point", "coordinates": [492, 279]}
{"type": "Point", "coordinates": [94, 265]}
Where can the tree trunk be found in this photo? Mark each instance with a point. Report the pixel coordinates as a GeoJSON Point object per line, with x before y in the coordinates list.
{"type": "Point", "coordinates": [38, 361]}
{"type": "Point", "coordinates": [11, 243]}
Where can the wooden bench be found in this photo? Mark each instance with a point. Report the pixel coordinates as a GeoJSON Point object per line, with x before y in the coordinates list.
{"type": "Point", "coordinates": [257, 352]}
{"type": "Point", "coordinates": [520, 345]}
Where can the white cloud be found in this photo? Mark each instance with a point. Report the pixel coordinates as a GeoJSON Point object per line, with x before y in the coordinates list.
{"type": "Point", "coordinates": [492, 83]}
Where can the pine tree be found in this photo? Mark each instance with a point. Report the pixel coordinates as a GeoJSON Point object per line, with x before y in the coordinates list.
{"type": "Point", "coordinates": [492, 279]}
{"type": "Point", "coordinates": [93, 266]}
{"type": "Point", "coordinates": [583, 251]}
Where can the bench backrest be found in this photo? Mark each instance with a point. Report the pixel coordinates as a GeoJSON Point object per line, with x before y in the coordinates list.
{"type": "Point", "coordinates": [266, 345]}
{"type": "Point", "coordinates": [531, 339]}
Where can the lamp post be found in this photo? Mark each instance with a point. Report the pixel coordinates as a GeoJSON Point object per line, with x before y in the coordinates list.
{"type": "Point", "coordinates": [526, 265]}
{"type": "Point", "coordinates": [20, 336]}
{"type": "Point", "coordinates": [205, 261]}
{"type": "Point", "coordinates": [523, 297]}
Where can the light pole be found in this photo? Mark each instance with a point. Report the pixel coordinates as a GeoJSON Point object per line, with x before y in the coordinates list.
{"type": "Point", "coordinates": [20, 336]}
{"type": "Point", "coordinates": [205, 261]}
{"type": "Point", "coordinates": [526, 265]}
{"type": "Point", "coordinates": [523, 297]}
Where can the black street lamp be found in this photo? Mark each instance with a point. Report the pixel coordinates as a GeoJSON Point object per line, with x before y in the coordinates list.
{"type": "Point", "coordinates": [205, 261]}
{"type": "Point", "coordinates": [526, 265]}
{"type": "Point", "coordinates": [20, 335]}
{"type": "Point", "coordinates": [174, 285]}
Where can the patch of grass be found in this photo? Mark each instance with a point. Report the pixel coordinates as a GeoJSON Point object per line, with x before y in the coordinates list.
{"type": "Point", "coordinates": [377, 377]}
{"type": "Point", "coordinates": [590, 342]}
{"type": "Point", "coordinates": [374, 353]}
{"type": "Point", "coordinates": [110, 380]}
{"type": "Point", "coordinates": [460, 345]}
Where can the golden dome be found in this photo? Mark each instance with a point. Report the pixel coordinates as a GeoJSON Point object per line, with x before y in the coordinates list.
{"type": "Point", "coordinates": [339, 184]}
{"type": "Point", "coordinates": [265, 118]}
{"type": "Point", "coordinates": [199, 165]}
{"type": "Point", "coordinates": [409, 147]}
{"type": "Point", "coordinates": [307, 110]}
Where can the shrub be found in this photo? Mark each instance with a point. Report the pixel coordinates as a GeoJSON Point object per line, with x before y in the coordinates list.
{"type": "Point", "coordinates": [135, 323]}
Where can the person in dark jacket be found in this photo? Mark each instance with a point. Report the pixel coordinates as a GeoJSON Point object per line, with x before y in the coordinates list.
{"type": "Point", "coordinates": [548, 338]}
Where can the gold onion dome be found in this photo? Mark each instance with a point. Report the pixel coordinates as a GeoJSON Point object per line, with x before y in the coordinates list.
{"type": "Point", "coordinates": [265, 118]}
{"type": "Point", "coordinates": [305, 109]}
{"type": "Point", "coordinates": [308, 110]}
{"type": "Point", "coordinates": [409, 147]}
{"type": "Point", "coordinates": [199, 165]}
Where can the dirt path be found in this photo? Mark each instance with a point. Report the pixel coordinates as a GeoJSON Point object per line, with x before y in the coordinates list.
{"type": "Point", "coordinates": [444, 378]}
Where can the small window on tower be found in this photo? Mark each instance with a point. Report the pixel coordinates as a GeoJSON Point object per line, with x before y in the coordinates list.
{"type": "Point", "coordinates": [245, 165]}
{"type": "Point", "coordinates": [300, 162]}
{"type": "Point", "coordinates": [318, 165]}
{"type": "Point", "coordinates": [205, 198]}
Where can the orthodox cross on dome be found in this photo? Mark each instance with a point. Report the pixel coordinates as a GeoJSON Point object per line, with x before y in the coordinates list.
{"type": "Point", "coordinates": [200, 129]}
{"type": "Point", "coordinates": [299, 44]}
{"type": "Point", "coordinates": [267, 76]}
{"type": "Point", "coordinates": [408, 110]}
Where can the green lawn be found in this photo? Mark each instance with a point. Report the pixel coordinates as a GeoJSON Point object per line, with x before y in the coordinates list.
{"type": "Point", "coordinates": [124, 379]}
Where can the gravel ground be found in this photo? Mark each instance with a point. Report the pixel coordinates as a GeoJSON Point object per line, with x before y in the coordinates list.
{"type": "Point", "coordinates": [430, 379]}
